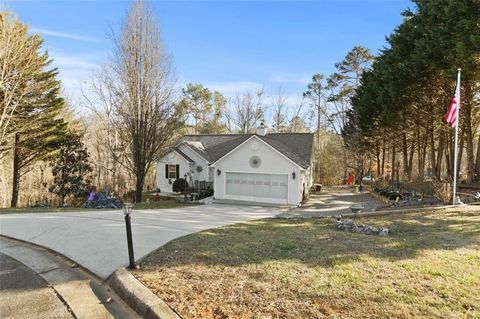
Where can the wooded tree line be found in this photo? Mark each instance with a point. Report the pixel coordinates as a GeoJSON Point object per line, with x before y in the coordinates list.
{"type": "Point", "coordinates": [33, 121]}
{"type": "Point", "coordinates": [48, 152]}
{"type": "Point", "coordinates": [398, 107]}
{"type": "Point", "coordinates": [367, 115]}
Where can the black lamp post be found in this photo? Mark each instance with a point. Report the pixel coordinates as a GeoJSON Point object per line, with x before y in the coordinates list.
{"type": "Point", "coordinates": [127, 210]}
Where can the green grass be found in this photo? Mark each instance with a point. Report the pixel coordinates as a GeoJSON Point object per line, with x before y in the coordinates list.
{"type": "Point", "coordinates": [428, 267]}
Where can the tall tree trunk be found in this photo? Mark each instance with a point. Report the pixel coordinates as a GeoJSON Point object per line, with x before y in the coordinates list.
{"type": "Point", "coordinates": [377, 156]}
{"type": "Point", "coordinates": [16, 172]}
{"type": "Point", "coordinates": [438, 164]}
{"type": "Point", "coordinates": [98, 164]}
{"type": "Point", "coordinates": [421, 157]}
{"type": "Point", "coordinates": [393, 163]}
{"type": "Point", "coordinates": [405, 154]}
{"type": "Point", "coordinates": [477, 165]}
{"type": "Point", "coordinates": [468, 133]}
{"type": "Point", "coordinates": [460, 152]}
{"type": "Point", "coordinates": [140, 179]}
{"type": "Point", "coordinates": [410, 159]}
{"type": "Point", "coordinates": [433, 163]}
{"type": "Point", "coordinates": [449, 154]}
{"type": "Point", "coordinates": [383, 157]}
{"type": "Point", "coordinates": [3, 179]}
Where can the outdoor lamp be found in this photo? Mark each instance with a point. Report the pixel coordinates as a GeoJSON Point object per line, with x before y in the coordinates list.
{"type": "Point", "coordinates": [293, 175]}
{"type": "Point", "coordinates": [219, 172]}
{"type": "Point", "coordinates": [127, 208]}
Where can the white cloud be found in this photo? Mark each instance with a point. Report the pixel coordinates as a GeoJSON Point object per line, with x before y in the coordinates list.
{"type": "Point", "coordinates": [63, 35]}
{"type": "Point", "coordinates": [72, 61]}
{"type": "Point", "coordinates": [290, 79]}
{"type": "Point", "coordinates": [74, 71]}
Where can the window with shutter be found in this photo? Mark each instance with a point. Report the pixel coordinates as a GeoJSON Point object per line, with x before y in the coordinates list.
{"type": "Point", "coordinates": [171, 171]}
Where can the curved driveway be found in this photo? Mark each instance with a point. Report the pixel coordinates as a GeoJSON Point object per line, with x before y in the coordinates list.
{"type": "Point", "coordinates": [97, 241]}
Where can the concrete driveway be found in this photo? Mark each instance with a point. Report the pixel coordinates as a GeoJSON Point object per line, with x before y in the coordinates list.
{"type": "Point", "coordinates": [97, 240]}
{"type": "Point", "coordinates": [334, 202]}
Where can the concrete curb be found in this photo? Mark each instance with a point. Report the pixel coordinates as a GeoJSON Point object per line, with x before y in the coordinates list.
{"type": "Point", "coordinates": [139, 297]}
{"type": "Point", "coordinates": [82, 292]}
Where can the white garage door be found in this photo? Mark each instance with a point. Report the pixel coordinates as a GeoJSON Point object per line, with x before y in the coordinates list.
{"type": "Point", "coordinates": [257, 185]}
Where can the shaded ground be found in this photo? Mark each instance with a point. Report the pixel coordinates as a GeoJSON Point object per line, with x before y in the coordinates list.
{"type": "Point", "coordinates": [24, 294]}
{"type": "Point", "coordinates": [427, 267]}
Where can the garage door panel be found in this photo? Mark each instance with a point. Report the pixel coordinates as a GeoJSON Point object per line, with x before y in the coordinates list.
{"type": "Point", "coordinates": [273, 186]}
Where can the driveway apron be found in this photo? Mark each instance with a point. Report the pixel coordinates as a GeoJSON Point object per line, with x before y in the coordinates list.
{"type": "Point", "coordinates": [97, 239]}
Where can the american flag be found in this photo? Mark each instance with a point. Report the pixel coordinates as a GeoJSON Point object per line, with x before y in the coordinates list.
{"type": "Point", "coordinates": [451, 116]}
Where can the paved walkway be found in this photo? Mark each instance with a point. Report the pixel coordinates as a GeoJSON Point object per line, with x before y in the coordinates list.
{"type": "Point", "coordinates": [97, 241]}
{"type": "Point", "coordinates": [24, 294]}
{"type": "Point", "coordinates": [33, 279]}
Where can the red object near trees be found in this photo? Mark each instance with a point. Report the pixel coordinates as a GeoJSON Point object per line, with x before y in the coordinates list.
{"type": "Point", "coordinates": [351, 179]}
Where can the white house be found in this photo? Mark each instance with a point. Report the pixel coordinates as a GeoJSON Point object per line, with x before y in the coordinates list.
{"type": "Point", "coordinates": [269, 168]}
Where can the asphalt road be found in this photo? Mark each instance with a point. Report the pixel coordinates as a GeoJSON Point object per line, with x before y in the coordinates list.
{"type": "Point", "coordinates": [97, 241]}
{"type": "Point", "coordinates": [24, 294]}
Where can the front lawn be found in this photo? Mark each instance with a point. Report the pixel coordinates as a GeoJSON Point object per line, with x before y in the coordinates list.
{"type": "Point", "coordinates": [429, 267]}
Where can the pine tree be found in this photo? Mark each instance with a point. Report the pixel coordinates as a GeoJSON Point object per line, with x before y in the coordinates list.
{"type": "Point", "coordinates": [35, 124]}
{"type": "Point", "coordinates": [71, 170]}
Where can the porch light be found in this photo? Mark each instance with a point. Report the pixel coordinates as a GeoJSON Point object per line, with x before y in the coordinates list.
{"type": "Point", "coordinates": [219, 172]}
{"type": "Point", "coordinates": [294, 175]}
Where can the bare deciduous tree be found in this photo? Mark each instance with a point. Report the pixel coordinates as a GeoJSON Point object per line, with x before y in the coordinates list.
{"type": "Point", "coordinates": [244, 111]}
{"type": "Point", "coordinates": [137, 94]}
{"type": "Point", "coordinates": [279, 106]}
{"type": "Point", "coordinates": [297, 122]}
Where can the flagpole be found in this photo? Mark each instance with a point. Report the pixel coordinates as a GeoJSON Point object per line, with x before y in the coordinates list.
{"type": "Point", "coordinates": [455, 164]}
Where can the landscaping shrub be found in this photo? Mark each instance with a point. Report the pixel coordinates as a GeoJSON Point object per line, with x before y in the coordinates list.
{"type": "Point", "coordinates": [180, 185]}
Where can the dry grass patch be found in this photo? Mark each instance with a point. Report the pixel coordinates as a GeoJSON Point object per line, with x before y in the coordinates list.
{"type": "Point", "coordinates": [429, 266]}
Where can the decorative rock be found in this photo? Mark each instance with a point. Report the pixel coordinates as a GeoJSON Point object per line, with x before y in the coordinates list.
{"type": "Point", "coordinates": [349, 225]}
{"type": "Point", "coordinates": [383, 232]}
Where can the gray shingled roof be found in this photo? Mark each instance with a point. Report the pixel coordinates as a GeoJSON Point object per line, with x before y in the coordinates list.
{"type": "Point", "coordinates": [295, 146]}
{"type": "Point", "coordinates": [182, 154]}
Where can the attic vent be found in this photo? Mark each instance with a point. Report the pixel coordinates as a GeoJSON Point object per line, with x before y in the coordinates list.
{"type": "Point", "coordinates": [255, 161]}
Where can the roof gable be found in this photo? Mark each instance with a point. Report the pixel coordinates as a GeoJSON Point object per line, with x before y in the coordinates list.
{"type": "Point", "coordinates": [297, 147]}
{"type": "Point", "coordinates": [268, 145]}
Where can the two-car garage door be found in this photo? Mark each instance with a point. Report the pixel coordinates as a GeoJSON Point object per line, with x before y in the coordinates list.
{"type": "Point", "coordinates": [260, 186]}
